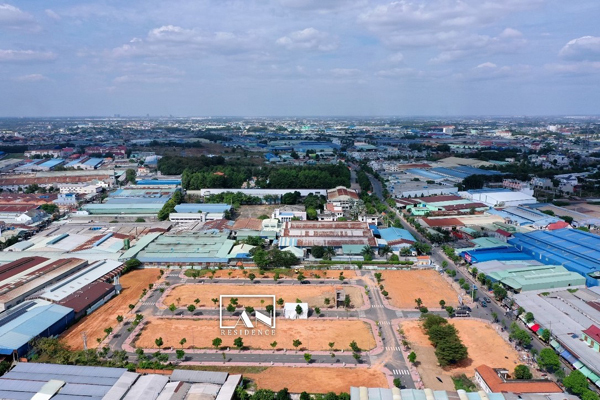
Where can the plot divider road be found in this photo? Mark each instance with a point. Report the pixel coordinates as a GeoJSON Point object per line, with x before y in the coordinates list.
{"type": "Point", "coordinates": [390, 357]}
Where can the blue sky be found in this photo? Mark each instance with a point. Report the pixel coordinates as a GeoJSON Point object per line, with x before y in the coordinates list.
{"type": "Point", "coordinates": [299, 57]}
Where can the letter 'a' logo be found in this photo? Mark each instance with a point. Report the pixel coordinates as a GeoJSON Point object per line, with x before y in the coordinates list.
{"type": "Point", "coordinates": [260, 317]}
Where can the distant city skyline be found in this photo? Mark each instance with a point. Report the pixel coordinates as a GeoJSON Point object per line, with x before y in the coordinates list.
{"type": "Point", "coordinates": [273, 58]}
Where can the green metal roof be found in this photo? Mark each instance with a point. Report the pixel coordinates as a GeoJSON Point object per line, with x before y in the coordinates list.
{"type": "Point", "coordinates": [536, 277]}
{"type": "Point", "coordinates": [352, 248]}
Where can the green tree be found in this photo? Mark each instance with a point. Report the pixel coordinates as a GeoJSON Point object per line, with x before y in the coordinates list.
{"type": "Point", "coordinates": [529, 317]}
{"type": "Point", "coordinates": [230, 308]}
{"type": "Point", "coordinates": [307, 358]}
{"type": "Point", "coordinates": [252, 277]}
{"type": "Point", "coordinates": [522, 372]}
{"type": "Point", "coordinates": [451, 351]}
{"type": "Point", "coordinates": [317, 311]}
{"type": "Point", "coordinates": [397, 382]}
{"type": "Point", "coordinates": [367, 253]}
{"type": "Point", "coordinates": [119, 318]}
{"type": "Point", "coordinates": [182, 342]}
{"type": "Point", "coordinates": [299, 310]}
{"type": "Point", "coordinates": [249, 309]}
{"type": "Point", "coordinates": [296, 343]}
{"type": "Point", "coordinates": [546, 334]}
{"type": "Point", "coordinates": [347, 301]}
{"type": "Point", "coordinates": [273, 344]}
{"type": "Point", "coordinates": [576, 383]}
{"type": "Point", "coordinates": [280, 302]}
{"type": "Point", "coordinates": [180, 354]}
{"type": "Point", "coordinates": [158, 341]}
{"type": "Point", "coordinates": [238, 342]}
{"type": "Point", "coordinates": [269, 309]}
{"type": "Point", "coordinates": [442, 303]}
{"type": "Point", "coordinates": [191, 308]}
{"type": "Point", "coordinates": [216, 342]}
{"type": "Point", "coordinates": [317, 251]}
{"type": "Point", "coordinates": [130, 175]}
{"type": "Point", "coordinates": [499, 292]}
{"type": "Point", "coordinates": [378, 277]}
{"type": "Point", "coordinates": [172, 308]}
{"type": "Point", "coordinates": [548, 360]}
{"type": "Point", "coordinates": [412, 357]}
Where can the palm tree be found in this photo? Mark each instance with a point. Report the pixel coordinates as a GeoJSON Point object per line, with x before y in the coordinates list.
{"type": "Point", "coordinates": [367, 253]}
{"type": "Point", "coordinates": [385, 250]}
{"type": "Point", "coordinates": [328, 253]}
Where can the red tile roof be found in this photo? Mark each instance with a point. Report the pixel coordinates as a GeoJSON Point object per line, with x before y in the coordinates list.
{"type": "Point", "coordinates": [557, 225]}
{"type": "Point", "coordinates": [254, 224]}
{"type": "Point", "coordinates": [593, 332]}
{"type": "Point", "coordinates": [498, 385]}
{"type": "Point", "coordinates": [435, 199]}
{"type": "Point", "coordinates": [503, 232]}
{"type": "Point", "coordinates": [442, 222]}
{"type": "Point", "coordinates": [337, 192]}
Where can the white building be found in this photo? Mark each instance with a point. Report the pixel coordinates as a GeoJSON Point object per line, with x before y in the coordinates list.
{"type": "Point", "coordinates": [500, 199]}
{"type": "Point", "coordinates": [289, 310]}
{"type": "Point", "coordinates": [286, 213]}
{"type": "Point", "coordinates": [80, 188]}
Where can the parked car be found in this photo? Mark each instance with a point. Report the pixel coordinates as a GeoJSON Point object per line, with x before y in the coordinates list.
{"type": "Point", "coordinates": [464, 308]}
{"type": "Point", "coordinates": [483, 304]}
{"type": "Point", "coordinates": [487, 299]}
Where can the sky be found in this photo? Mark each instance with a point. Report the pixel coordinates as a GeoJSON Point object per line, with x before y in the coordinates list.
{"type": "Point", "coordinates": [299, 57]}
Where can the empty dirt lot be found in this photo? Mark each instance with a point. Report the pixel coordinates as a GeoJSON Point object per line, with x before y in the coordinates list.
{"type": "Point", "coordinates": [317, 380]}
{"type": "Point", "coordinates": [314, 295]}
{"type": "Point", "coordinates": [484, 344]}
{"type": "Point", "coordinates": [94, 324]}
{"type": "Point", "coordinates": [315, 334]}
{"type": "Point", "coordinates": [406, 286]}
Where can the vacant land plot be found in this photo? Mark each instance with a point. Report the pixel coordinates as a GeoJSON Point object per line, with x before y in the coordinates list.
{"type": "Point", "coordinates": [315, 334]}
{"type": "Point", "coordinates": [94, 324]}
{"type": "Point", "coordinates": [256, 211]}
{"type": "Point", "coordinates": [314, 295]}
{"type": "Point", "coordinates": [485, 346]}
{"type": "Point", "coordinates": [406, 286]}
{"type": "Point", "coordinates": [317, 380]}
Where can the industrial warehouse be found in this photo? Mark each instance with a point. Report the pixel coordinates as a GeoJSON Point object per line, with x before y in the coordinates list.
{"type": "Point", "coordinates": [41, 297]}
{"type": "Point", "coordinates": [30, 380]}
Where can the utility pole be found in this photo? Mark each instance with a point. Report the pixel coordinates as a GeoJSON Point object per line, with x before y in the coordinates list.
{"type": "Point", "coordinates": [84, 336]}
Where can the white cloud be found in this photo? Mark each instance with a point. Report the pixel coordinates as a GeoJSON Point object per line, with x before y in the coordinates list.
{"type": "Point", "coordinates": [52, 14]}
{"type": "Point", "coordinates": [14, 18]}
{"type": "Point", "coordinates": [31, 78]}
{"type": "Point", "coordinates": [396, 58]}
{"type": "Point", "coordinates": [308, 39]}
{"type": "Point", "coordinates": [489, 70]}
{"type": "Point", "coordinates": [586, 48]}
{"type": "Point", "coordinates": [399, 72]}
{"type": "Point", "coordinates": [576, 68]}
{"type": "Point", "coordinates": [26, 56]}
{"type": "Point", "coordinates": [345, 72]}
{"type": "Point", "coordinates": [321, 6]}
{"type": "Point", "coordinates": [510, 33]}
{"type": "Point", "coordinates": [173, 41]}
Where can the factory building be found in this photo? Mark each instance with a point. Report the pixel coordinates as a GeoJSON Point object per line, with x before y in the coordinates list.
{"type": "Point", "coordinates": [576, 250]}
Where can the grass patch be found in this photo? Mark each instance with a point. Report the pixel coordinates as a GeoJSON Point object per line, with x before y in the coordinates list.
{"type": "Point", "coordinates": [572, 290]}
{"type": "Point", "coordinates": [464, 383]}
{"type": "Point", "coordinates": [545, 293]}
{"type": "Point", "coordinates": [196, 273]}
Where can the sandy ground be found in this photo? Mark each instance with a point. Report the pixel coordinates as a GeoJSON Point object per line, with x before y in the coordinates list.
{"type": "Point", "coordinates": [94, 324]}
{"type": "Point", "coordinates": [314, 295]}
{"type": "Point", "coordinates": [289, 274]}
{"type": "Point", "coordinates": [405, 286]}
{"type": "Point", "coordinates": [314, 334]}
{"type": "Point", "coordinates": [485, 346]}
{"type": "Point", "coordinates": [256, 211]}
{"type": "Point", "coordinates": [317, 380]}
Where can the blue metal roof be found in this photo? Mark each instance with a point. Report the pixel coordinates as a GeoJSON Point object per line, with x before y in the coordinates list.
{"type": "Point", "coordinates": [204, 207]}
{"type": "Point", "coordinates": [424, 173]}
{"type": "Point", "coordinates": [391, 234]}
{"type": "Point", "coordinates": [158, 182]}
{"type": "Point", "coordinates": [93, 162]}
{"type": "Point", "coordinates": [52, 163]}
{"type": "Point", "coordinates": [26, 321]}
{"type": "Point", "coordinates": [496, 253]}
{"type": "Point", "coordinates": [576, 250]}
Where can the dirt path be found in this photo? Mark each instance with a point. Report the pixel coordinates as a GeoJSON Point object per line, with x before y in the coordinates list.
{"type": "Point", "coordinates": [94, 324]}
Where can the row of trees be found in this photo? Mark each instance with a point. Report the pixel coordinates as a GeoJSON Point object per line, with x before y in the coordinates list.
{"type": "Point", "coordinates": [449, 349]}
{"type": "Point", "coordinates": [274, 258]}
{"type": "Point", "coordinates": [169, 206]}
